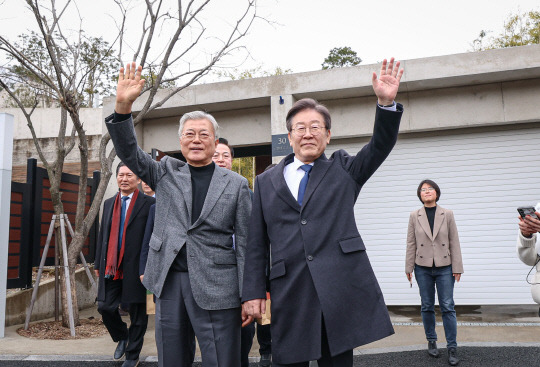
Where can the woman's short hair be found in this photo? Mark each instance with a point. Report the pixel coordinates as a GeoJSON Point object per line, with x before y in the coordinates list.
{"type": "Point", "coordinates": [430, 183]}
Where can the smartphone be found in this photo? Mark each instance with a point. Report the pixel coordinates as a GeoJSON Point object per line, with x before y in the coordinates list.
{"type": "Point", "coordinates": [527, 210]}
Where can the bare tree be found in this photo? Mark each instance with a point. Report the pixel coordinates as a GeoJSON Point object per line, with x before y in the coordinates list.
{"type": "Point", "coordinates": [177, 45]}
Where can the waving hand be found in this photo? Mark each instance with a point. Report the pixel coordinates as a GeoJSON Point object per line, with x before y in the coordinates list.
{"type": "Point", "coordinates": [129, 87]}
{"type": "Point", "coordinates": [386, 86]}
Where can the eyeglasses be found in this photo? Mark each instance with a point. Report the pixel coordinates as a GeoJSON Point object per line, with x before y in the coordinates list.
{"type": "Point", "coordinates": [203, 135]}
{"type": "Point", "coordinates": [314, 130]}
{"type": "Point", "coordinates": [429, 189]}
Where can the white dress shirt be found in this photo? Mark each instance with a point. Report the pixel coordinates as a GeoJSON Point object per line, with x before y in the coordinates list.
{"type": "Point", "coordinates": [293, 175]}
{"type": "Point", "coordinates": [128, 201]}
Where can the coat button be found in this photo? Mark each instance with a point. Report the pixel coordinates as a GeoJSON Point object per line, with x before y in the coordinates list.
{"type": "Point", "coordinates": [175, 251]}
{"type": "Point", "coordinates": [445, 257]}
{"type": "Point", "coordinates": [421, 257]}
{"type": "Point", "coordinates": [310, 257]}
{"type": "Point", "coordinates": [443, 244]}
{"type": "Point", "coordinates": [303, 221]}
{"type": "Point", "coordinates": [422, 245]}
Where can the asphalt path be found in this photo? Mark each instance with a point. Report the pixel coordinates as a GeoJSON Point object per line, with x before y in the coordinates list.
{"type": "Point", "coordinates": [470, 356]}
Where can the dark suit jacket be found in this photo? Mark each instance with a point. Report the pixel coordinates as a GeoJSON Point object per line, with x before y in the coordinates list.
{"type": "Point", "coordinates": [319, 262]}
{"type": "Point", "coordinates": [146, 240]}
{"type": "Point", "coordinates": [132, 289]}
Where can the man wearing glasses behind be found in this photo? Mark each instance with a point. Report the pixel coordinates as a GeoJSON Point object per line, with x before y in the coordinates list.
{"type": "Point", "coordinates": [192, 268]}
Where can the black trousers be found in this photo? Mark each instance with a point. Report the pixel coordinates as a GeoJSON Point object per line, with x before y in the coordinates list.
{"type": "Point", "coordinates": [344, 359]}
{"type": "Point", "coordinates": [113, 321]}
{"type": "Point", "coordinates": [264, 337]}
{"type": "Point", "coordinates": [246, 341]}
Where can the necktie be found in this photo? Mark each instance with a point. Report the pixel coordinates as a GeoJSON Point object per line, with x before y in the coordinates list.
{"type": "Point", "coordinates": [122, 220]}
{"type": "Point", "coordinates": [303, 183]}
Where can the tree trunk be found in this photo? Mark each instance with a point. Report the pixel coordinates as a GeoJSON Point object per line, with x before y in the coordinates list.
{"type": "Point", "coordinates": [63, 288]}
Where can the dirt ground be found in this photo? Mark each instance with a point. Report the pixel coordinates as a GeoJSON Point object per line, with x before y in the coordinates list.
{"type": "Point", "coordinates": [89, 328]}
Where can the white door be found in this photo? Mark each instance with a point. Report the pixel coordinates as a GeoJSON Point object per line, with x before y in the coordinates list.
{"type": "Point", "coordinates": [484, 175]}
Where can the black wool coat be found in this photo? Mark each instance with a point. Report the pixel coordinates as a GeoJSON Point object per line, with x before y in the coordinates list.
{"type": "Point", "coordinates": [320, 267]}
{"type": "Point", "coordinates": [132, 289]}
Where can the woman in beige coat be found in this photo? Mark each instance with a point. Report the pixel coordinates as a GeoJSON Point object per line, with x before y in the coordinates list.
{"type": "Point", "coordinates": [434, 254]}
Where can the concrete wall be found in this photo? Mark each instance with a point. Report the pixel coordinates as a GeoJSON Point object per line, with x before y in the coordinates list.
{"type": "Point", "coordinates": [46, 122]}
{"type": "Point", "coordinates": [25, 148]}
{"type": "Point", "coordinates": [17, 303]}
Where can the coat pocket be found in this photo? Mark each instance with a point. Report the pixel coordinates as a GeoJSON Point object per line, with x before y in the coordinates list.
{"type": "Point", "coordinates": [354, 244]}
{"type": "Point", "coordinates": [225, 259]}
{"type": "Point", "coordinates": [155, 243]}
{"type": "Point", "coordinates": [277, 270]}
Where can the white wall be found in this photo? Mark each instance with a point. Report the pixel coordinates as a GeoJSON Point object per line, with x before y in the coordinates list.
{"type": "Point", "coordinates": [484, 175]}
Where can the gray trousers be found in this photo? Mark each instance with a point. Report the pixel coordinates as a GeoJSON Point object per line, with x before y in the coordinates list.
{"type": "Point", "coordinates": [178, 315]}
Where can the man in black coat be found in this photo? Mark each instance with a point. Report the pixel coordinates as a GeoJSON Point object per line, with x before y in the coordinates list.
{"type": "Point", "coordinates": [325, 298]}
{"type": "Point", "coordinates": [117, 265]}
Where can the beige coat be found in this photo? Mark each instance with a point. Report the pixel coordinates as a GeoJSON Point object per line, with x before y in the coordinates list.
{"type": "Point", "coordinates": [440, 248]}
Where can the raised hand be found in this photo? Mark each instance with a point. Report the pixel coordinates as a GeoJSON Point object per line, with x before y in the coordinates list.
{"type": "Point", "coordinates": [129, 87]}
{"type": "Point", "coordinates": [386, 86]}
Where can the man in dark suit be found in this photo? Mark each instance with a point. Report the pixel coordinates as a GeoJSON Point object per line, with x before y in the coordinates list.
{"type": "Point", "coordinates": [192, 268]}
{"type": "Point", "coordinates": [117, 265]}
{"type": "Point", "coordinates": [223, 157]}
{"type": "Point", "coordinates": [325, 297]}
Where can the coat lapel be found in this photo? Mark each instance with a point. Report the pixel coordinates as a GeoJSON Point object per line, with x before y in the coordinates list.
{"type": "Point", "coordinates": [139, 203]}
{"type": "Point", "coordinates": [422, 218]}
{"type": "Point", "coordinates": [439, 217]}
{"type": "Point", "coordinates": [280, 185]}
{"type": "Point", "coordinates": [217, 184]}
{"type": "Point", "coordinates": [184, 182]}
{"type": "Point", "coordinates": [107, 217]}
{"type": "Point", "coordinates": [320, 167]}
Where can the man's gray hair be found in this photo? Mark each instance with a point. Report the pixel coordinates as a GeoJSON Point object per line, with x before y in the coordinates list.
{"type": "Point", "coordinates": [199, 115]}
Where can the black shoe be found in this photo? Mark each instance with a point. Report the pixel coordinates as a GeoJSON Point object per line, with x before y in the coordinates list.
{"type": "Point", "coordinates": [432, 349]}
{"type": "Point", "coordinates": [453, 360]}
{"type": "Point", "coordinates": [120, 349]}
{"type": "Point", "coordinates": [266, 360]}
{"type": "Point", "coordinates": [131, 363]}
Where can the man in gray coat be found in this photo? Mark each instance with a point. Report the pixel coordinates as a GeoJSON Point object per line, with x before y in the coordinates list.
{"type": "Point", "coordinates": [325, 297]}
{"type": "Point", "coordinates": [192, 268]}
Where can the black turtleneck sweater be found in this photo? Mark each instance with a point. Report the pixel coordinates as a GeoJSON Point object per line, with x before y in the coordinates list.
{"type": "Point", "coordinates": [200, 181]}
{"type": "Point", "coordinates": [430, 212]}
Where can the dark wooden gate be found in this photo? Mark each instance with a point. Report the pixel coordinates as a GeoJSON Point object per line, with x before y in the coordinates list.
{"type": "Point", "coordinates": [31, 213]}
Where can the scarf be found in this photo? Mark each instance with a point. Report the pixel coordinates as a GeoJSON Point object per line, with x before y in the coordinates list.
{"type": "Point", "coordinates": [114, 260]}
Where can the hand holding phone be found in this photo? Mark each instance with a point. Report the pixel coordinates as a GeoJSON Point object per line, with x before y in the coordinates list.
{"type": "Point", "coordinates": [527, 210]}
{"type": "Point", "coordinates": [529, 222]}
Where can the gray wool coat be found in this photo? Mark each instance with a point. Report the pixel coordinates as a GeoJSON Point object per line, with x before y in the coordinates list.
{"type": "Point", "coordinates": [215, 268]}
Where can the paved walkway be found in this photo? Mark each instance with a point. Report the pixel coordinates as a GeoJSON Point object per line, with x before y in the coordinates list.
{"type": "Point", "coordinates": [505, 334]}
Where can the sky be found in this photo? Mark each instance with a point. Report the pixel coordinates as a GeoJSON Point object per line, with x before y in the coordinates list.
{"type": "Point", "coordinates": [299, 34]}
